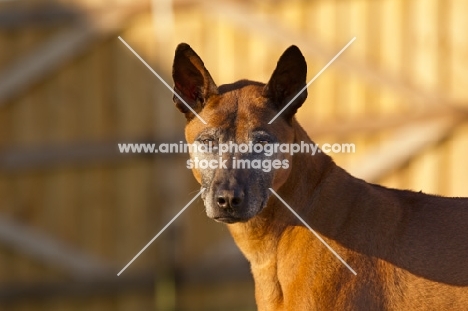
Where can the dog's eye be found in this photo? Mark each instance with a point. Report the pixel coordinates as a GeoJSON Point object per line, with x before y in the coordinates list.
{"type": "Point", "coordinates": [262, 141]}
{"type": "Point", "coordinates": [207, 140]}
{"type": "Point", "coordinates": [262, 138]}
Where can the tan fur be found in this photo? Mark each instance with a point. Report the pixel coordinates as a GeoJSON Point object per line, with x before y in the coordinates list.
{"type": "Point", "coordinates": [410, 250]}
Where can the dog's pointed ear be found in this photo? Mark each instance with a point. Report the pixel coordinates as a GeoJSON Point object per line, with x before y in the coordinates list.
{"type": "Point", "coordinates": [192, 82]}
{"type": "Point", "coordinates": [288, 79]}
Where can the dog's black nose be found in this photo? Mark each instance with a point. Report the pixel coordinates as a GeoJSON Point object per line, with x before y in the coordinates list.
{"type": "Point", "coordinates": [229, 198]}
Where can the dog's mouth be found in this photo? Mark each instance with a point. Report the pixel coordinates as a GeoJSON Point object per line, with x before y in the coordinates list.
{"type": "Point", "coordinates": [247, 209]}
{"type": "Point", "coordinates": [231, 219]}
{"type": "Point", "coordinates": [228, 219]}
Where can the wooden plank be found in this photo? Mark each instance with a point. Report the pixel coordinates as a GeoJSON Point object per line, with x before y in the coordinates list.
{"type": "Point", "coordinates": [424, 44]}
{"type": "Point", "coordinates": [133, 189]}
{"type": "Point", "coordinates": [458, 25]}
{"type": "Point", "coordinates": [444, 79]}
{"type": "Point", "coordinates": [453, 76]}
{"type": "Point", "coordinates": [458, 165]}
{"type": "Point", "coordinates": [350, 106]}
{"type": "Point", "coordinates": [99, 287]}
{"type": "Point", "coordinates": [50, 14]}
{"type": "Point", "coordinates": [403, 145]}
{"type": "Point", "coordinates": [47, 58]}
{"type": "Point", "coordinates": [422, 173]}
{"type": "Point", "coordinates": [75, 154]}
{"type": "Point", "coordinates": [363, 125]}
{"type": "Point", "coordinates": [51, 252]}
{"type": "Point", "coordinates": [142, 282]}
{"type": "Point", "coordinates": [28, 127]}
{"type": "Point", "coordinates": [61, 48]}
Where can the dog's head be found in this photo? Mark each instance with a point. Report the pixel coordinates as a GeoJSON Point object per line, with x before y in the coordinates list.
{"type": "Point", "coordinates": [237, 180]}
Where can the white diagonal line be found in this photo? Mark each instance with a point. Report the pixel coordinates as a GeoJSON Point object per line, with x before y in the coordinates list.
{"type": "Point", "coordinates": [313, 79]}
{"type": "Point", "coordinates": [315, 233]}
{"type": "Point", "coordinates": [161, 79]}
{"type": "Point", "coordinates": [162, 230]}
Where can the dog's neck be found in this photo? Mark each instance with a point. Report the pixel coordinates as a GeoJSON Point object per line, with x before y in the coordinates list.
{"type": "Point", "coordinates": [256, 237]}
{"type": "Point", "coordinates": [325, 196]}
{"type": "Point", "coordinates": [259, 238]}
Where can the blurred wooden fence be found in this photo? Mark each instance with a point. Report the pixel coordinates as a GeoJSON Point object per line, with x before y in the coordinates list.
{"type": "Point", "coordinates": [73, 210]}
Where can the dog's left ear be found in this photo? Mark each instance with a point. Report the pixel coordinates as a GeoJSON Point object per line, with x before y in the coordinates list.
{"type": "Point", "coordinates": [192, 81]}
{"type": "Point", "coordinates": [288, 79]}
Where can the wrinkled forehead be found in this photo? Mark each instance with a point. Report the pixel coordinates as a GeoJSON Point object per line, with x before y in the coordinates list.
{"type": "Point", "coordinates": [237, 107]}
{"type": "Point", "coordinates": [236, 113]}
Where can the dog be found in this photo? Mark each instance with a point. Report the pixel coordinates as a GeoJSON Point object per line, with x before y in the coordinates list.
{"type": "Point", "coordinates": [409, 250]}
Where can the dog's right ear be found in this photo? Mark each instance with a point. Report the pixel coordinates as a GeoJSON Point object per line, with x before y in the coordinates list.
{"type": "Point", "coordinates": [192, 82]}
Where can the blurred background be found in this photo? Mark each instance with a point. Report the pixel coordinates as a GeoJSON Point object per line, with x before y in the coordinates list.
{"type": "Point", "coordinates": [74, 211]}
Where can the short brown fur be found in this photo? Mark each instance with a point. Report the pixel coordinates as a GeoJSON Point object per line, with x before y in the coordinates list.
{"type": "Point", "coordinates": [410, 250]}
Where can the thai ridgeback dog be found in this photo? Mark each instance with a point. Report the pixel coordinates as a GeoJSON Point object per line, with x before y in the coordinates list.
{"type": "Point", "coordinates": [409, 250]}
